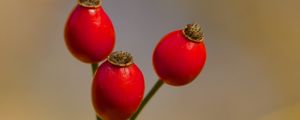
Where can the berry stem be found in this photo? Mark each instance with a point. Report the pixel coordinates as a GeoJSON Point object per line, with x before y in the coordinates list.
{"type": "Point", "coordinates": [151, 93]}
{"type": "Point", "coordinates": [90, 3]}
{"type": "Point", "coordinates": [120, 58]}
{"type": "Point", "coordinates": [94, 68]}
{"type": "Point", "coordinates": [193, 32]}
{"type": "Point", "coordinates": [98, 118]}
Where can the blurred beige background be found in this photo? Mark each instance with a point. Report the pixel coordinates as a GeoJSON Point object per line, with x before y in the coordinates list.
{"type": "Point", "coordinates": [252, 70]}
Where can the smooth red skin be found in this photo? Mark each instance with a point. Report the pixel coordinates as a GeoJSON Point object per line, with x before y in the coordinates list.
{"type": "Point", "coordinates": [177, 60]}
{"type": "Point", "coordinates": [117, 91]}
{"type": "Point", "coordinates": [89, 34]}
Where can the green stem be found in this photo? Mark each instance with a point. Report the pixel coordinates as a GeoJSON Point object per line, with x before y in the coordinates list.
{"type": "Point", "coordinates": [152, 92]}
{"type": "Point", "coordinates": [94, 68]}
{"type": "Point", "coordinates": [98, 118]}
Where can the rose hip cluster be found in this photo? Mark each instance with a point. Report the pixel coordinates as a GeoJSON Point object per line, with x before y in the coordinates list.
{"type": "Point", "coordinates": [118, 84]}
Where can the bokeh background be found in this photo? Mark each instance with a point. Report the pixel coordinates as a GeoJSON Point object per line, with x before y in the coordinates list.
{"type": "Point", "coordinates": [252, 70]}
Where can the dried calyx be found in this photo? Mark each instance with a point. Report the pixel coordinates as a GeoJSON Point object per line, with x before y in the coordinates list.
{"type": "Point", "coordinates": [90, 3]}
{"type": "Point", "coordinates": [120, 58]}
{"type": "Point", "coordinates": [193, 32]}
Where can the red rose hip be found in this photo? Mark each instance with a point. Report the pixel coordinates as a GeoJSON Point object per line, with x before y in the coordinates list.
{"type": "Point", "coordinates": [180, 56]}
{"type": "Point", "coordinates": [89, 32]}
{"type": "Point", "coordinates": [118, 87]}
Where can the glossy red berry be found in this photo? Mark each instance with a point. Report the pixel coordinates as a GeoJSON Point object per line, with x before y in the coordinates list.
{"type": "Point", "coordinates": [89, 32]}
{"type": "Point", "coordinates": [118, 87]}
{"type": "Point", "coordinates": [180, 56]}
